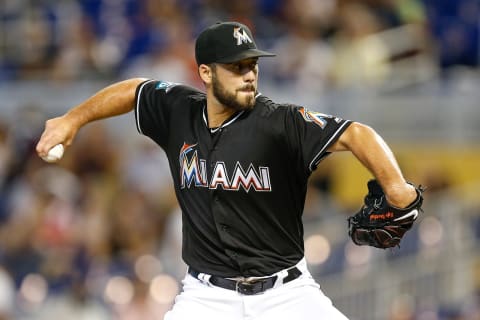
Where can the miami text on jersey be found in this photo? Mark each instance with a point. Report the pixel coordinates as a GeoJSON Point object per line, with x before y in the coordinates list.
{"type": "Point", "coordinates": [193, 173]}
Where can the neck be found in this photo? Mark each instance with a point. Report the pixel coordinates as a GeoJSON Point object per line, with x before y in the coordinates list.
{"type": "Point", "coordinates": [217, 113]}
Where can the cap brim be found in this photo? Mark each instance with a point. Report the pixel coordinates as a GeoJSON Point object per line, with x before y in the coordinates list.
{"type": "Point", "coordinates": [250, 53]}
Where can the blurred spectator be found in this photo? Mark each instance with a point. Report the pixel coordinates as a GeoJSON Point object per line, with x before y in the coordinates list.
{"type": "Point", "coordinates": [94, 153]}
{"type": "Point", "coordinates": [75, 304]}
{"type": "Point", "coordinates": [141, 306]}
{"type": "Point", "coordinates": [455, 25]}
{"type": "Point", "coordinates": [7, 295]}
{"type": "Point", "coordinates": [381, 44]}
{"type": "Point", "coordinates": [136, 228]}
{"type": "Point", "coordinates": [303, 58]}
{"type": "Point", "coordinates": [22, 139]}
{"type": "Point", "coordinates": [76, 49]}
{"type": "Point", "coordinates": [171, 59]}
{"type": "Point", "coordinates": [5, 158]}
{"type": "Point", "coordinates": [30, 40]}
{"type": "Point", "coordinates": [360, 57]}
{"type": "Point", "coordinates": [147, 172]}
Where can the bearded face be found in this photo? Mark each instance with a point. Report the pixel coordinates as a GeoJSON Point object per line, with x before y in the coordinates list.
{"type": "Point", "coordinates": [236, 96]}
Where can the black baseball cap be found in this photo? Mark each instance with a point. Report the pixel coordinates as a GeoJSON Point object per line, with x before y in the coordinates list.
{"type": "Point", "coordinates": [226, 42]}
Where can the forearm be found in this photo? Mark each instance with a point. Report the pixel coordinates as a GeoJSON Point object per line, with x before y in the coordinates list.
{"type": "Point", "coordinates": [116, 99]}
{"type": "Point", "coordinates": [372, 151]}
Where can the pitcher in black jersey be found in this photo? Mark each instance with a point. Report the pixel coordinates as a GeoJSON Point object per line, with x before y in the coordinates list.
{"type": "Point", "coordinates": [240, 164]}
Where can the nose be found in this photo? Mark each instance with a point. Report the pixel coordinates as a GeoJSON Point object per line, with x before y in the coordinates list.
{"type": "Point", "coordinates": [249, 75]}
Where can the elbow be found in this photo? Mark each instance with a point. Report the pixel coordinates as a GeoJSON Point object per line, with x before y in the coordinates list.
{"type": "Point", "coordinates": [354, 135]}
{"type": "Point", "coordinates": [359, 129]}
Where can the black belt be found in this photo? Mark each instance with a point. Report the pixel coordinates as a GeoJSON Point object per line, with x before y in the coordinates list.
{"type": "Point", "coordinates": [248, 286]}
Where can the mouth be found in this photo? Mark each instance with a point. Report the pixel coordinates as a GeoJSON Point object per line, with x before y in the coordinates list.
{"type": "Point", "coordinates": [247, 89]}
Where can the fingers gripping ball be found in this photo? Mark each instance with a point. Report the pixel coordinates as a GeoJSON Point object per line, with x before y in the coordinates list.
{"type": "Point", "coordinates": [55, 154]}
{"type": "Point", "coordinates": [379, 224]}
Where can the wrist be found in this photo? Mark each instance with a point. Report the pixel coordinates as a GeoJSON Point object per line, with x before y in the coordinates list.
{"type": "Point", "coordinates": [75, 120]}
{"type": "Point", "coordinates": [401, 196]}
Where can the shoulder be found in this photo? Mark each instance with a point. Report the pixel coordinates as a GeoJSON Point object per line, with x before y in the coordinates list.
{"type": "Point", "coordinates": [171, 89]}
{"type": "Point", "coordinates": [268, 107]}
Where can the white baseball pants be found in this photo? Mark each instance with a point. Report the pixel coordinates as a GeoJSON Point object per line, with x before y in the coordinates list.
{"type": "Point", "coordinates": [297, 299]}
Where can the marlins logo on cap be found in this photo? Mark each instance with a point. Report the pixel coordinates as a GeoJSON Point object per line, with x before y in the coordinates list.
{"type": "Point", "coordinates": [215, 44]}
{"type": "Point", "coordinates": [241, 35]}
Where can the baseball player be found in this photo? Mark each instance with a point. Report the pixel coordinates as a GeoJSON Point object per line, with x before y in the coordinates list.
{"type": "Point", "coordinates": [240, 164]}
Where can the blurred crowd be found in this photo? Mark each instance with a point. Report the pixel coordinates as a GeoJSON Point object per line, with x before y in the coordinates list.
{"type": "Point", "coordinates": [67, 230]}
{"type": "Point", "coordinates": [319, 44]}
{"type": "Point", "coordinates": [98, 235]}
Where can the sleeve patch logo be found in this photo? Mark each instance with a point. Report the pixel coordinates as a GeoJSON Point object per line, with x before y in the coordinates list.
{"type": "Point", "coordinates": [165, 85]}
{"type": "Point", "coordinates": [316, 117]}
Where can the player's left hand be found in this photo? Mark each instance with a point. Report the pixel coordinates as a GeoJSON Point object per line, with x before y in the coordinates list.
{"type": "Point", "coordinates": [380, 224]}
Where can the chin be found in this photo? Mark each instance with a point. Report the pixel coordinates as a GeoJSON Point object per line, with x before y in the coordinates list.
{"type": "Point", "coordinates": [248, 101]}
{"type": "Point", "coordinates": [248, 104]}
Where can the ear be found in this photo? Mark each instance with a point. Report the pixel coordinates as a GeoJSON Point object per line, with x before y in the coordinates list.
{"type": "Point", "coordinates": [205, 73]}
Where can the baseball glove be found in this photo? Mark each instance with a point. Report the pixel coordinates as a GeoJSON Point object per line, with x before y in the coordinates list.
{"type": "Point", "coordinates": [380, 224]}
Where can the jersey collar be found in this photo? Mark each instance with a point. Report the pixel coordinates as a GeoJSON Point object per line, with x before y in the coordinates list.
{"type": "Point", "coordinates": [226, 123]}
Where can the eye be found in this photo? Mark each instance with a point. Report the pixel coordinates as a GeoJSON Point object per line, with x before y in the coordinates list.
{"type": "Point", "coordinates": [234, 67]}
{"type": "Point", "coordinates": [243, 66]}
{"type": "Point", "coordinates": [237, 67]}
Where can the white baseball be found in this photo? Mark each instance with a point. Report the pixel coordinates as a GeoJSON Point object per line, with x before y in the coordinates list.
{"type": "Point", "coordinates": [55, 154]}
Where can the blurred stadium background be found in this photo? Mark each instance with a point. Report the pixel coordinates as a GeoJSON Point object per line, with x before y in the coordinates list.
{"type": "Point", "coordinates": [98, 236]}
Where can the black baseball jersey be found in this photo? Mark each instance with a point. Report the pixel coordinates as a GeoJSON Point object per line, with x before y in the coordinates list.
{"type": "Point", "coordinates": [242, 186]}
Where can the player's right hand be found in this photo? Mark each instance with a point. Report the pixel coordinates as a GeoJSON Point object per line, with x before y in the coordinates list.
{"type": "Point", "coordinates": [60, 130]}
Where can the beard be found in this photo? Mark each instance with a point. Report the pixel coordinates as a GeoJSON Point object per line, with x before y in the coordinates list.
{"type": "Point", "coordinates": [232, 100]}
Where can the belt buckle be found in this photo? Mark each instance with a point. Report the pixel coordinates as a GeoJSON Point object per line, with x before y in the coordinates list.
{"type": "Point", "coordinates": [248, 286]}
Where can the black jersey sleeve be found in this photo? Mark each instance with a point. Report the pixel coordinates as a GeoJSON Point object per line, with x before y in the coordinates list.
{"type": "Point", "coordinates": [154, 104]}
{"type": "Point", "coordinates": [311, 133]}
